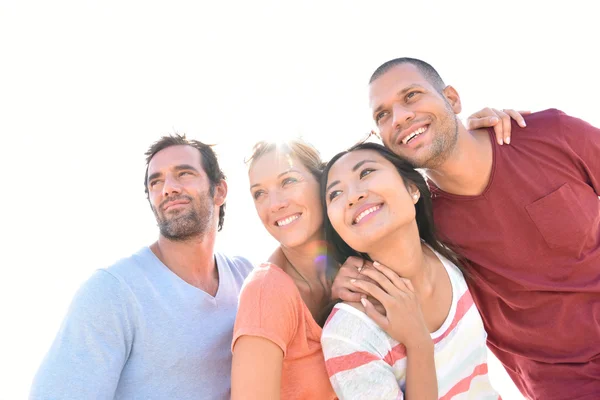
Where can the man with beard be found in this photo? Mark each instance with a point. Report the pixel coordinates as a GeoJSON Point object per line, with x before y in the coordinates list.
{"type": "Point", "coordinates": [159, 323]}
{"type": "Point", "coordinates": [525, 216]}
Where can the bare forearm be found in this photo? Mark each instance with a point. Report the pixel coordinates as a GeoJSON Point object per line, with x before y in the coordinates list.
{"type": "Point", "coordinates": [421, 379]}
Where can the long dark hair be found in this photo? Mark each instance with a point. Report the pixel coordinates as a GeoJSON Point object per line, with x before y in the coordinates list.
{"type": "Point", "coordinates": [340, 250]}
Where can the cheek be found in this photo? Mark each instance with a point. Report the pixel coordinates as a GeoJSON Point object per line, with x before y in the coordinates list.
{"type": "Point", "coordinates": [336, 218]}
{"type": "Point", "coordinates": [385, 132]}
{"type": "Point", "coordinates": [154, 202]}
{"type": "Point", "coordinates": [262, 212]}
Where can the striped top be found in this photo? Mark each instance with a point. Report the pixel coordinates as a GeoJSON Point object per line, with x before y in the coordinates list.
{"type": "Point", "coordinates": [364, 362]}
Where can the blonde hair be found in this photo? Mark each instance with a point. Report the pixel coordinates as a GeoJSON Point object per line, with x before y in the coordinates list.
{"type": "Point", "coordinates": [307, 154]}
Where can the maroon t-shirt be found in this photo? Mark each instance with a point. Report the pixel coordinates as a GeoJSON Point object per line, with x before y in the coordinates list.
{"type": "Point", "coordinates": [533, 242]}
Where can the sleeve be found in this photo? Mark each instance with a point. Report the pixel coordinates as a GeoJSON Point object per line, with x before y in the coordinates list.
{"type": "Point", "coordinates": [94, 341]}
{"type": "Point", "coordinates": [268, 308]}
{"type": "Point", "coordinates": [356, 358]}
{"type": "Point", "coordinates": [584, 139]}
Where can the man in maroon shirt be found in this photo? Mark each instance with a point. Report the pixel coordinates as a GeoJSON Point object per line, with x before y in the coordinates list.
{"type": "Point", "coordinates": [525, 216]}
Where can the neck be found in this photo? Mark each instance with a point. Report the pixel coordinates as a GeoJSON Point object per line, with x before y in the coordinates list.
{"type": "Point", "coordinates": [403, 253]}
{"type": "Point", "coordinates": [467, 169]}
{"type": "Point", "coordinates": [306, 260]}
{"type": "Point", "coordinates": [192, 260]}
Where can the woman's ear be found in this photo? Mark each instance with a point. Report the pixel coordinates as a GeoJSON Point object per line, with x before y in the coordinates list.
{"type": "Point", "coordinates": [414, 192]}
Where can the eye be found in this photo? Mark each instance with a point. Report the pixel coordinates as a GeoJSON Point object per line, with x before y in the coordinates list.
{"type": "Point", "coordinates": [379, 116]}
{"type": "Point", "coordinates": [182, 173]}
{"type": "Point", "coordinates": [411, 95]}
{"type": "Point", "coordinates": [333, 194]}
{"type": "Point", "coordinates": [288, 180]}
{"type": "Point", "coordinates": [365, 172]}
{"type": "Point", "coordinates": [153, 183]}
{"type": "Point", "coordinates": [257, 194]}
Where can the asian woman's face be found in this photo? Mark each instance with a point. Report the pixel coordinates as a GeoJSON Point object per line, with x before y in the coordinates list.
{"type": "Point", "coordinates": [367, 199]}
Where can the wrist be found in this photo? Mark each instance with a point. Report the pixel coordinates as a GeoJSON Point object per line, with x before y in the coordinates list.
{"type": "Point", "coordinates": [422, 345]}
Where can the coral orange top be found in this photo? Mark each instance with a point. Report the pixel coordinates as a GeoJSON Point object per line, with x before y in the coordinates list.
{"type": "Point", "coordinates": [271, 307]}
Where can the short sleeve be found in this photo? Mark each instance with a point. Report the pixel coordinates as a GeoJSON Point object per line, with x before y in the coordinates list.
{"type": "Point", "coordinates": [268, 307]}
{"type": "Point", "coordinates": [584, 140]}
{"type": "Point", "coordinates": [358, 357]}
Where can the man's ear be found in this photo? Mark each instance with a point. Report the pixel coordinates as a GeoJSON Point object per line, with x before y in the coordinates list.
{"type": "Point", "coordinates": [220, 193]}
{"type": "Point", "coordinates": [453, 99]}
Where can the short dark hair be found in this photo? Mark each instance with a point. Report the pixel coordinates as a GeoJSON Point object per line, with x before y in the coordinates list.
{"type": "Point", "coordinates": [424, 68]}
{"type": "Point", "coordinates": [210, 164]}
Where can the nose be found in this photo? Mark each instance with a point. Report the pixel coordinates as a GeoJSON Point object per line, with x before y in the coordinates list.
{"type": "Point", "coordinates": [401, 115]}
{"type": "Point", "coordinates": [355, 196]}
{"type": "Point", "coordinates": [277, 201]}
{"type": "Point", "coordinates": [171, 186]}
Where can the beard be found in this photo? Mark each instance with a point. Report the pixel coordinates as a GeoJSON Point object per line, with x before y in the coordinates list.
{"type": "Point", "coordinates": [442, 144]}
{"type": "Point", "coordinates": [189, 223]}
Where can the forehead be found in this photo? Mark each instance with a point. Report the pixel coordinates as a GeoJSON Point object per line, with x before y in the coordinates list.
{"type": "Point", "coordinates": [173, 156]}
{"type": "Point", "coordinates": [396, 79]}
{"type": "Point", "coordinates": [270, 165]}
{"type": "Point", "coordinates": [348, 161]}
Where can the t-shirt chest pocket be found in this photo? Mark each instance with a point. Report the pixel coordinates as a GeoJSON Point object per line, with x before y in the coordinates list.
{"type": "Point", "coordinates": [560, 218]}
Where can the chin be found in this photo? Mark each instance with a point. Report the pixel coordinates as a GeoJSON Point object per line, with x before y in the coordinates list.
{"type": "Point", "coordinates": [291, 243]}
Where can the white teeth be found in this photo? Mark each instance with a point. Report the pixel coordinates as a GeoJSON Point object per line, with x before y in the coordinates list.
{"type": "Point", "coordinates": [288, 220]}
{"type": "Point", "coordinates": [365, 213]}
{"type": "Point", "coordinates": [413, 135]}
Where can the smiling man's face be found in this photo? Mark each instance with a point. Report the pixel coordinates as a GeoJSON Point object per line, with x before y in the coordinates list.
{"type": "Point", "coordinates": [414, 120]}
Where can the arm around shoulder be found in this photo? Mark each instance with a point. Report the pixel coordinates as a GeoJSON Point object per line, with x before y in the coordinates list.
{"type": "Point", "coordinates": [92, 345]}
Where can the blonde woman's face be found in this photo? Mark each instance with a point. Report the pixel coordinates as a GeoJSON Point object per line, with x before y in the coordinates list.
{"type": "Point", "coordinates": [286, 197]}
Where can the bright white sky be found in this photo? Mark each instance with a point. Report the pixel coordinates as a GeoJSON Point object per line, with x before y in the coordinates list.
{"type": "Point", "coordinates": [86, 86]}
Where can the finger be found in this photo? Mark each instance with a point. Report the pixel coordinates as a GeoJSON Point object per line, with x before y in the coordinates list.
{"type": "Point", "coordinates": [506, 126]}
{"type": "Point", "coordinates": [348, 295]}
{"type": "Point", "coordinates": [366, 264]}
{"type": "Point", "coordinates": [378, 306]}
{"type": "Point", "coordinates": [364, 276]}
{"type": "Point", "coordinates": [372, 313]}
{"type": "Point", "coordinates": [380, 279]}
{"type": "Point", "coordinates": [516, 115]}
{"type": "Point", "coordinates": [355, 262]}
{"type": "Point", "coordinates": [499, 127]}
{"type": "Point", "coordinates": [375, 291]}
{"type": "Point", "coordinates": [397, 281]}
{"type": "Point", "coordinates": [342, 284]}
{"type": "Point", "coordinates": [481, 122]}
{"type": "Point", "coordinates": [408, 284]}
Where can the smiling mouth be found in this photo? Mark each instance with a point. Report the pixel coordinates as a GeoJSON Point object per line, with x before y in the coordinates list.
{"type": "Point", "coordinates": [287, 221]}
{"type": "Point", "coordinates": [365, 213]}
{"type": "Point", "coordinates": [413, 135]}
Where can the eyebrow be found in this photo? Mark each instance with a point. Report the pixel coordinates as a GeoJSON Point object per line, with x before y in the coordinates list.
{"type": "Point", "coordinates": [279, 176]}
{"type": "Point", "coordinates": [357, 166]}
{"type": "Point", "coordinates": [400, 93]}
{"type": "Point", "coordinates": [181, 167]}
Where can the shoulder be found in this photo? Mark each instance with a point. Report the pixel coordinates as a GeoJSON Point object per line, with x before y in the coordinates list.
{"type": "Point", "coordinates": [346, 323]}
{"type": "Point", "coordinates": [269, 279]}
{"type": "Point", "coordinates": [102, 293]}
{"type": "Point", "coordinates": [129, 268]}
{"type": "Point", "coordinates": [238, 265]}
{"type": "Point", "coordinates": [551, 121]}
